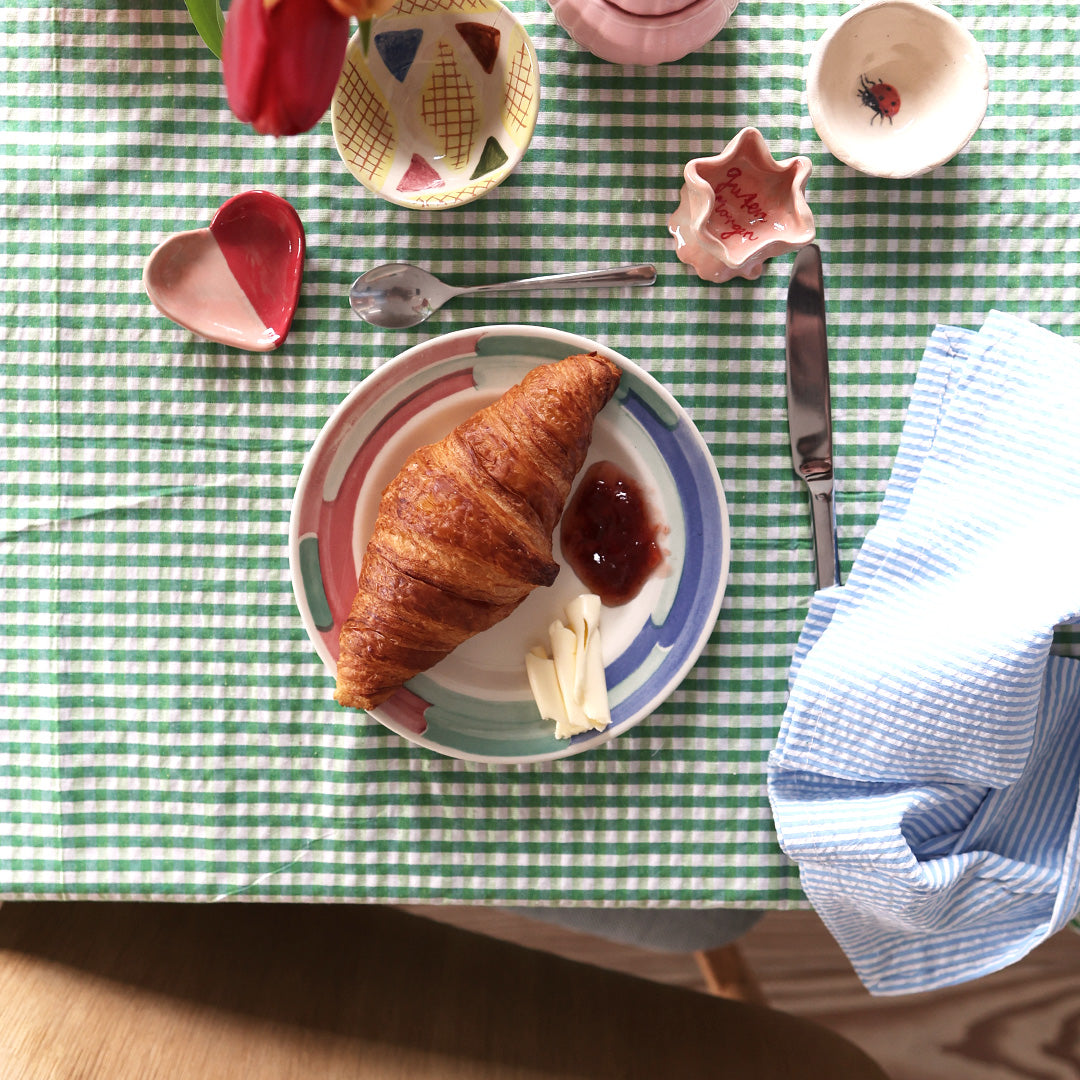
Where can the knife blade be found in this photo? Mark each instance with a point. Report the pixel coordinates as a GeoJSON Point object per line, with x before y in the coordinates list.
{"type": "Point", "coordinates": [809, 409]}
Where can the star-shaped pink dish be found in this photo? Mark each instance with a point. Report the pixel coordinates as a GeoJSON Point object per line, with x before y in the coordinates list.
{"type": "Point", "coordinates": [739, 208]}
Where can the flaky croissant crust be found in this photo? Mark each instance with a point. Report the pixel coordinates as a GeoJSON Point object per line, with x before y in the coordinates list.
{"type": "Point", "coordinates": [463, 532]}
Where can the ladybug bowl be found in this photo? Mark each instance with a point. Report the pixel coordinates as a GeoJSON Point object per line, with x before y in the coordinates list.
{"type": "Point", "coordinates": [896, 88]}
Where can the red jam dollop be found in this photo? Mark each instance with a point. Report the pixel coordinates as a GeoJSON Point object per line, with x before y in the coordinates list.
{"type": "Point", "coordinates": [608, 534]}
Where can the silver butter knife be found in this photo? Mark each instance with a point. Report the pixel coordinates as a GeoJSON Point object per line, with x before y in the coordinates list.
{"type": "Point", "coordinates": [809, 414]}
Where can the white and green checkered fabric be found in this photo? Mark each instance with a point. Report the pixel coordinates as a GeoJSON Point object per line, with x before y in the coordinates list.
{"type": "Point", "coordinates": [167, 729]}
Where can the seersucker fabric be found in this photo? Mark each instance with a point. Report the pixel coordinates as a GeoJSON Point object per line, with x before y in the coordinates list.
{"type": "Point", "coordinates": [926, 776]}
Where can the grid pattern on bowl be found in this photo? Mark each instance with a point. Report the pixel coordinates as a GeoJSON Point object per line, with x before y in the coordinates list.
{"type": "Point", "coordinates": [448, 107]}
{"type": "Point", "coordinates": [366, 130]}
{"type": "Point", "coordinates": [452, 196]}
{"type": "Point", "coordinates": [518, 101]}
{"type": "Point", "coordinates": [410, 7]}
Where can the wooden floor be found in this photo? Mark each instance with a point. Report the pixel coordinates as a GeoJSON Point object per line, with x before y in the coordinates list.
{"type": "Point", "coordinates": [1023, 1022]}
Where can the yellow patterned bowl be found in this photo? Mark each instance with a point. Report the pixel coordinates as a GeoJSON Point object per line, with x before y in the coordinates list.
{"type": "Point", "coordinates": [437, 101]}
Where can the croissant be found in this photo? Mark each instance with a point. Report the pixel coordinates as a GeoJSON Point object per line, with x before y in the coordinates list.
{"type": "Point", "coordinates": [463, 532]}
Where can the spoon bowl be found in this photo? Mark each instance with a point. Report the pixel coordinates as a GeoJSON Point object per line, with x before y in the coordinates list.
{"type": "Point", "coordinates": [395, 296]}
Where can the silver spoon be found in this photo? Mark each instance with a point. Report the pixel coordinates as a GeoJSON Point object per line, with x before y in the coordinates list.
{"type": "Point", "coordinates": [398, 295]}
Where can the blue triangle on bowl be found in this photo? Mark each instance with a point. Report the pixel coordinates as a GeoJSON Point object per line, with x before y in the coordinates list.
{"type": "Point", "coordinates": [398, 50]}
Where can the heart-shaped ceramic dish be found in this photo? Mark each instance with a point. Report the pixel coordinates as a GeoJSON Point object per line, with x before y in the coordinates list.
{"type": "Point", "coordinates": [236, 282]}
{"type": "Point", "coordinates": [437, 101]}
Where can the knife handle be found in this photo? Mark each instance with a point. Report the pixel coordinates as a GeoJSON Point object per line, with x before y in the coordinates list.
{"type": "Point", "coordinates": [823, 516]}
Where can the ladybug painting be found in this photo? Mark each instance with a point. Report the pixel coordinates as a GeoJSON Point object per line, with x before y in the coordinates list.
{"type": "Point", "coordinates": [879, 96]}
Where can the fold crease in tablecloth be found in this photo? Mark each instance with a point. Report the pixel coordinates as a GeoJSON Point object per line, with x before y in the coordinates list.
{"type": "Point", "coordinates": [926, 776]}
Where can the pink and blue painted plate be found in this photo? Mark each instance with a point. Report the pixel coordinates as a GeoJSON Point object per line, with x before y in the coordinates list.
{"type": "Point", "coordinates": [476, 703]}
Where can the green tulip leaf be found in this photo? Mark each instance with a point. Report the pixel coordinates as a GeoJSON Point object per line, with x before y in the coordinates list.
{"type": "Point", "coordinates": [209, 21]}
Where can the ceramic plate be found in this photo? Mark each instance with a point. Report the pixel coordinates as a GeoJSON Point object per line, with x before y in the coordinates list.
{"type": "Point", "coordinates": [476, 703]}
{"type": "Point", "coordinates": [437, 101]}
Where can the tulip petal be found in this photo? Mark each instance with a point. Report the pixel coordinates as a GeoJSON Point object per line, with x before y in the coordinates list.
{"type": "Point", "coordinates": [243, 52]}
{"type": "Point", "coordinates": [282, 62]}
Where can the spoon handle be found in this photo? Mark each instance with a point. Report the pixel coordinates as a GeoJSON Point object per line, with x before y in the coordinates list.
{"type": "Point", "coordinates": [642, 274]}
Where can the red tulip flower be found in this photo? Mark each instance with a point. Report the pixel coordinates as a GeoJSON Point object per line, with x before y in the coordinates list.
{"type": "Point", "coordinates": [282, 59]}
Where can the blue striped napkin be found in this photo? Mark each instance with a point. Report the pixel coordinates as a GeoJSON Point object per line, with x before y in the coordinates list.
{"type": "Point", "coordinates": [926, 777]}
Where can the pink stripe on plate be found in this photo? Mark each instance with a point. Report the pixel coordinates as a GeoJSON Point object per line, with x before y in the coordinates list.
{"type": "Point", "coordinates": [336, 517]}
{"type": "Point", "coordinates": [406, 710]}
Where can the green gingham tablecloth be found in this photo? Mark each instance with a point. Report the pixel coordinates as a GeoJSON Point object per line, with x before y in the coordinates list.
{"type": "Point", "coordinates": [167, 729]}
